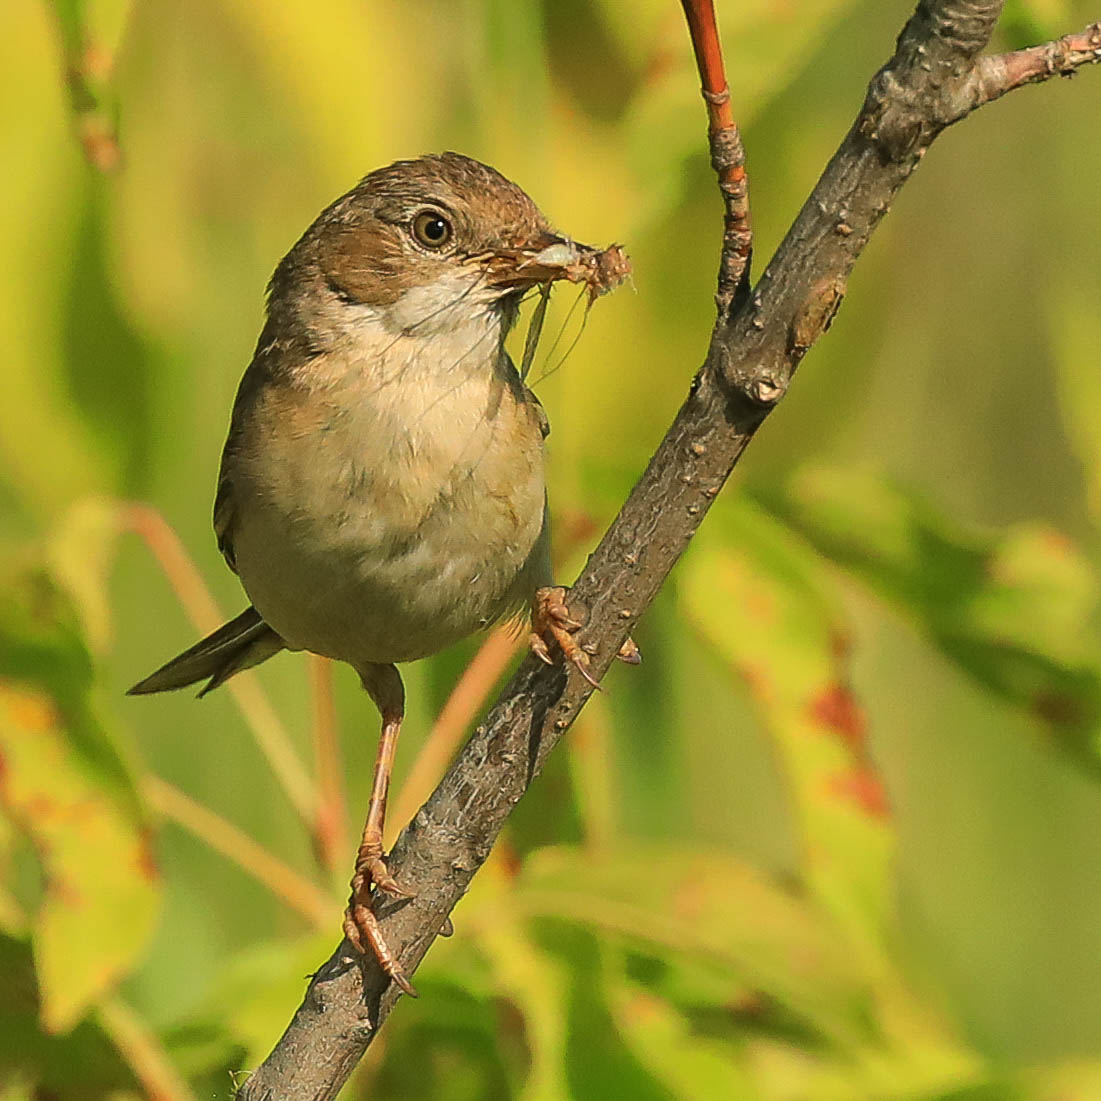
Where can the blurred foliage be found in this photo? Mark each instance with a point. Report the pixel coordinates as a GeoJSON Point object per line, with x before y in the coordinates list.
{"type": "Point", "coordinates": [837, 839]}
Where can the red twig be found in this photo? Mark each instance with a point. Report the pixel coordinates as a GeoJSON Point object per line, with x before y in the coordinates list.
{"type": "Point", "coordinates": [727, 153]}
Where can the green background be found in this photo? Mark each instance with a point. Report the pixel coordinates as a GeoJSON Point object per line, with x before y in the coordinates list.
{"type": "Point", "coordinates": [837, 838]}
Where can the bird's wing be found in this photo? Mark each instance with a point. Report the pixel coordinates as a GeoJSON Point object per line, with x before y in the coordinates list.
{"type": "Point", "coordinates": [251, 387]}
{"type": "Point", "coordinates": [223, 516]}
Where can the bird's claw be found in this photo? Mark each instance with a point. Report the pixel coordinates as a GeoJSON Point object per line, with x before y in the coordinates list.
{"type": "Point", "coordinates": [361, 926]}
{"type": "Point", "coordinates": [551, 621]}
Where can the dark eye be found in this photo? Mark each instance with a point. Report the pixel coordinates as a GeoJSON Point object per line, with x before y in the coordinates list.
{"type": "Point", "coordinates": [431, 229]}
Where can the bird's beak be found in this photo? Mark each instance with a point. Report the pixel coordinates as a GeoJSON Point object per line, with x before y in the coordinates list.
{"type": "Point", "coordinates": [552, 258]}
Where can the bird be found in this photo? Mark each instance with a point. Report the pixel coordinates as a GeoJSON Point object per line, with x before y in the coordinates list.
{"type": "Point", "coordinates": [382, 491]}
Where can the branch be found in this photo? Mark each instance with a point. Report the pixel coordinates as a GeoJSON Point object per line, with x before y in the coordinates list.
{"type": "Point", "coordinates": [994, 76]}
{"type": "Point", "coordinates": [932, 80]}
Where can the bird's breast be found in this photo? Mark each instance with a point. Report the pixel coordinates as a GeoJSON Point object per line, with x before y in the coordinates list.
{"type": "Point", "coordinates": [390, 507]}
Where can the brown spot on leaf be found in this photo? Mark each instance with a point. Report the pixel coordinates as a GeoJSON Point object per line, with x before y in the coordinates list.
{"type": "Point", "coordinates": [863, 787]}
{"type": "Point", "coordinates": [147, 856]}
{"type": "Point", "coordinates": [1058, 708]}
{"type": "Point", "coordinates": [836, 708]}
{"type": "Point", "coordinates": [840, 645]}
{"type": "Point", "coordinates": [1058, 543]}
{"type": "Point", "coordinates": [510, 861]}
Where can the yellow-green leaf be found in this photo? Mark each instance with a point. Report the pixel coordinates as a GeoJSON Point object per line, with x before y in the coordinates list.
{"type": "Point", "coordinates": [711, 906]}
{"type": "Point", "coordinates": [789, 646]}
{"type": "Point", "coordinates": [1013, 609]}
{"type": "Point", "coordinates": [100, 895]}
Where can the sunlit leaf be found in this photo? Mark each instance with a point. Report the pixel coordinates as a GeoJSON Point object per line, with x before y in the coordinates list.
{"type": "Point", "coordinates": [13, 918]}
{"type": "Point", "coordinates": [531, 980]}
{"type": "Point", "coordinates": [599, 1062]}
{"type": "Point", "coordinates": [100, 899]}
{"type": "Point", "coordinates": [42, 645]}
{"type": "Point", "coordinates": [688, 1065]}
{"type": "Point", "coordinates": [66, 787]}
{"type": "Point", "coordinates": [710, 907]}
{"type": "Point", "coordinates": [789, 645]}
{"type": "Point", "coordinates": [781, 974]}
{"type": "Point", "coordinates": [80, 553]}
{"type": "Point", "coordinates": [1014, 610]}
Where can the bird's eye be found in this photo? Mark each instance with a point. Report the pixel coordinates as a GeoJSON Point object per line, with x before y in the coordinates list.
{"type": "Point", "coordinates": [431, 229]}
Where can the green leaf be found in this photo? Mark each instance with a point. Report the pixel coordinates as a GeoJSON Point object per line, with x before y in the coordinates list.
{"type": "Point", "coordinates": [79, 1066]}
{"type": "Point", "coordinates": [599, 1062]}
{"type": "Point", "coordinates": [1013, 609]}
{"type": "Point", "coordinates": [701, 944]}
{"type": "Point", "coordinates": [42, 644]}
{"type": "Point", "coordinates": [13, 918]}
{"type": "Point", "coordinates": [65, 785]}
{"type": "Point", "coordinates": [688, 1065]}
{"type": "Point", "coordinates": [259, 991]}
{"type": "Point", "coordinates": [535, 983]}
{"type": "Point", "coordinates": [79, 555]}
{"type": "Point", "coordinates": [711, 907]}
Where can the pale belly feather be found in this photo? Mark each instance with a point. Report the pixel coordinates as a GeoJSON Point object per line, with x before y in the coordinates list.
{"type": "Point", "coordinates": [380, 520]}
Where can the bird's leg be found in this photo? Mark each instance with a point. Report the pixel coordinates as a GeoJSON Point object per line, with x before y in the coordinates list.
{"type": "Point", "coordinates": [383, 685]}
{"type": "Point", "coordinates": [551, 622]}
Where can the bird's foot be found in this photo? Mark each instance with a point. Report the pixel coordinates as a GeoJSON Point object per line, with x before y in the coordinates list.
{"type": "Point", "coordinates": [361, 926]}
{"type": "Point", "coordinates": [551, 622]}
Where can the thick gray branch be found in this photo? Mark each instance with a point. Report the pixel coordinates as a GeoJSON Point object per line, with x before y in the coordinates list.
{"type": "Point", "coordinates": [931, 81]}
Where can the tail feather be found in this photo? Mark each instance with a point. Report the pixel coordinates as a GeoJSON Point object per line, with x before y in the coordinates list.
{"type": "Point", "coordinates": [239, 644]}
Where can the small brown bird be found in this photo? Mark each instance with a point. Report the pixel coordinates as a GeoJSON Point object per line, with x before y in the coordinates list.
{"type": "Point", "coordinates": [382, 490]}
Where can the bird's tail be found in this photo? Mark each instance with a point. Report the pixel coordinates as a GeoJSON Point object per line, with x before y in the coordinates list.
{"type": "Point", "coordinates": [239, 644]}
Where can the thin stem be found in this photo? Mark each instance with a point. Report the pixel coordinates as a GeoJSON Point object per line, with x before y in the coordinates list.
{"type": "Point", "coordinates": [466, 700]}
{"type": "Point", "coordinates": [330, 829]}
{"type": "Point", "coordinates": [1001, 73]}
{"type": "Point", "coordinates": [265, 726]}
{"type": "Point", "coordinates": [143, 1052]}
{"type": "Point", "coordinates": [89, 73]}
{"type": "Point", "coordinates": [700, 15]}
{"type": "Point", "coordinates": [254, 860]}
